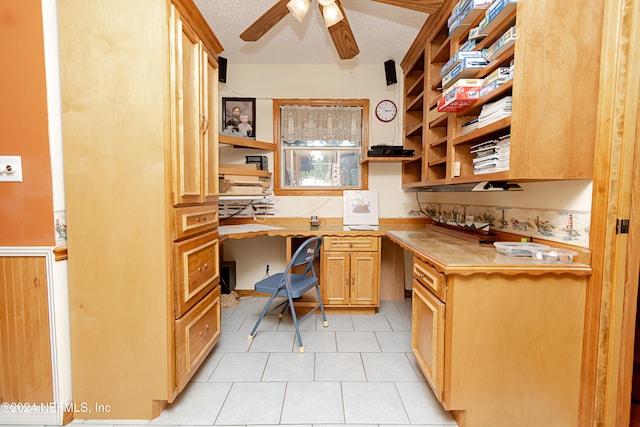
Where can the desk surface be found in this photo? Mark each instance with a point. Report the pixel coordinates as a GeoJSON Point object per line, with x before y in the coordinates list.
{"type": "Point", "coordinates": [450, 253]}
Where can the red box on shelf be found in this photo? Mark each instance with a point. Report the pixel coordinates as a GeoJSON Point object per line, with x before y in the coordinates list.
{"type": "Point", "coordinates": [462, 94]}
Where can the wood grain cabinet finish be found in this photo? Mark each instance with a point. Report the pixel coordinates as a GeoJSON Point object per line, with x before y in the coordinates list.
{"type": "Point", "coordinates": [25, 346]}
{"type": "Point", "coordinates": [350, 271]}
{"type": "Point", "coordinates": [197, 270]}
{"type": "Point", "coordinates": [491, 342]}
{"type": "Point", "coordinates": [192, 220]}
{"type": "Point", "coordinates": [140, 134]}
{"type": "Point", "coordinates": [196, 334]}
{"type": "Point", "coordinates": [552, 125]}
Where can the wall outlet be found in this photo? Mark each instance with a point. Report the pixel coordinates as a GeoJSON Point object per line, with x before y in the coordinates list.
{"type": "Point", "coordinates": [10, 169]}
{"type": "Point", "coordinates": [456, 169]}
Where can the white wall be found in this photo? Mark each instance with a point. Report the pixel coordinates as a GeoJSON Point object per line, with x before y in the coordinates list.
{"type": "Point", "coordinates": [364, 81]}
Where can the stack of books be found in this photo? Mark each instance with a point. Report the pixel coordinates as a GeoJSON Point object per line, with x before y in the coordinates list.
{"type": "Point", "coordinates": [469, 127]}
{"type": "Point", "coordinates": [494, 111]}
{"type": "Point", "coordinates": [491, 156]}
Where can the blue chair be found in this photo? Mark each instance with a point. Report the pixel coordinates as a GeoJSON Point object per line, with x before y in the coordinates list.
{"type": "Point", "coordinates": [292, 286]}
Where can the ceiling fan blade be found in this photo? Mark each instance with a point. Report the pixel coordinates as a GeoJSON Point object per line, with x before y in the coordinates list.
{"type": "Point", "coordinates": [264, 23]}
{"type": "Point", "coordinates": [426, 6]}
{"type": "Point", "coordinates": [342, 36]}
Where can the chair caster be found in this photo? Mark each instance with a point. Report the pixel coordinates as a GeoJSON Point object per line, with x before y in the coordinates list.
{"type": "Point", "coordinates": [325, 324]}
{"type": "Point", "coordinates": [301, 349]}
{"type": "Point", "coordinates": [280, 316]}
{"type": "Point", "coordinates": [250, 337]}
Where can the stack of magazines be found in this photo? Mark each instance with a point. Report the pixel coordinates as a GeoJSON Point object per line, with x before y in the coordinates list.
{"type": "Point", "coordinates": [469, 126]}
{"type": "Point", "coordinates": [491, 156]}
{"type": "Point", "coordinates": [494, 111]}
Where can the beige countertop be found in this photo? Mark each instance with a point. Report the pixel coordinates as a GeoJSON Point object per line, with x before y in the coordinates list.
{"type": "Point", "coordinates": [453, 255]}
{"type": "Point", "coordinates": [447, 252]}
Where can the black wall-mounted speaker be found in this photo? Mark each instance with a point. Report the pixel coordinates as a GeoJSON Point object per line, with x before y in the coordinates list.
{"type": "Point", "coordinates": [390, 72]}
{"type": "Point", "coordinates": [222, 69]}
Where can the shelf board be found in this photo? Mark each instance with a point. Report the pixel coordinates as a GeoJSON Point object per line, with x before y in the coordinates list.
{"type": "Point", "coordinates": [415, 131]}
{"type": "Point", "coordinates": [438, 142]}
{"type": "Point", "coordinates": [483, 131]}
{"type": "Point", "coordinates": [439, 122]}
{"type": "Point", "coordinates": [498, 176]}
{"type": "Point", "coordinates": [442, 53]}
{"type": "Point", "coordinates": [475, 108]}
{"type": "Point", "coordinates": [499, 24]}
{"type": "Point", "coordinates": [382, 159]}
{"type": "Point", "coordinates": [438, 162]}
{"type": "Point", "coordinates": [240, 171]}
{"type": "Point", "coordinates": [494, 64]}
{"type": "Point", "coordinates": [245, 142]}
{"type": "Point", "coordinates": [437, 85]}
{"type": "Point", "coordinates": [417, 87]}
{"type": "Point", "coordinates": [417, 103]}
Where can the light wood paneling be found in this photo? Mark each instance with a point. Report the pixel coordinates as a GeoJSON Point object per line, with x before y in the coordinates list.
{"type": "Point", "coordinates": [25, 350]}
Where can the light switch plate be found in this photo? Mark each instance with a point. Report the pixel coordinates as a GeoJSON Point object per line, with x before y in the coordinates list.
{"type": "Point", "coordinates": [10, 169]}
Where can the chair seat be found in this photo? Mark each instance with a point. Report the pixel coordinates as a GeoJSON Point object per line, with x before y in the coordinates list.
{"type": "Point", "coordinates": [300, 284]}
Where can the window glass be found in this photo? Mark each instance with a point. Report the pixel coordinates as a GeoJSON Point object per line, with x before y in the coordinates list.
{"type": "Point", "coordinates": [320, 146]}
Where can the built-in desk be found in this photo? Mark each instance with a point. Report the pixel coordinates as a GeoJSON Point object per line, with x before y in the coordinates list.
{"type": "Point", "coordinates": [364, 265]}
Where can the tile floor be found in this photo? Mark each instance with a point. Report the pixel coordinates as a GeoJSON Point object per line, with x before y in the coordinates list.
{"type": "Point", "coordinates": [358, 371]}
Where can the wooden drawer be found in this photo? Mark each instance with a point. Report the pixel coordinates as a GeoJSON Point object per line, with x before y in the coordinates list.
{"type": "Point", "coordinates": [351, 244]}
{"type": "Point", "coordinates": [197, 269]}
{"type": "Point", "coordinates": [196, 334]}
{"type": "Point", "coordinates": [430, 277]}
{"type": "Point", "coordinates": [192, 220]}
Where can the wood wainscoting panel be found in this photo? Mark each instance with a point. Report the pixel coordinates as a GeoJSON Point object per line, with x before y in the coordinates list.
{"type": "Point", "coordinates": [25, 348]}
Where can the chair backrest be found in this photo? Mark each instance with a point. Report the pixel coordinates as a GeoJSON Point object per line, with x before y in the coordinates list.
{"type": "Point", "coordinates": [306, 253]}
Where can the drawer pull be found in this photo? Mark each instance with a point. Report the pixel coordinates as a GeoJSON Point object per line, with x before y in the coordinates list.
{"type": "Point", "coordinates": [206, 266]}
{"type": "Point", "coordinates": [206, 329]}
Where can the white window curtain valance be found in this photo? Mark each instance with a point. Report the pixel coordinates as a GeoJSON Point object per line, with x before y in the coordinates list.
{"type": "Point", "coordinates": [321, 123]}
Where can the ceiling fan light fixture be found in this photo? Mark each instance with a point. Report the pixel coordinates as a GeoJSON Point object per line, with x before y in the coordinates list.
{"type": "Point", "coordinates": [326, 2]}
{"type": "Point", "coordinates": [332, 14]}
{"type": "Point", "coordinates": [299, 8]}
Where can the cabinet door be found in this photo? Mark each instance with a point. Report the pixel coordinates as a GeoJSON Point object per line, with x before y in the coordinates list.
{"type": "Point", "coordinates": [365, 278]}
{"type": "Point", "coordinates": [427, 336]}
{"type": "Point", "coordinates": [186, 73]}
{"type": "Point", "coordinates": [335, 277]}
{"type": "Point", "coordinates": [210, 129]}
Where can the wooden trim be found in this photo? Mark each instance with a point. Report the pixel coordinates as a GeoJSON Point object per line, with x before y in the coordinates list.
{"type": "Point", "coordinates": [612, 289]}
{"type": "Point", "coordinates": [60, 253]}
{"type": "Point", "coordinates": [189, 10]}
{"type": "Point", "coordinates": [237, 141]}
{"type": "Point", "coordinates": [364, 167]}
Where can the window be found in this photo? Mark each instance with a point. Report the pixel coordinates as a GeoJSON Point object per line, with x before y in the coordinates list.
{"type": "Point", "coordinates": [319, 145]}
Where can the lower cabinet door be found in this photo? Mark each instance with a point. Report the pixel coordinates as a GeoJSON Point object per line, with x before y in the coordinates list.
{"type": "Point", "coordinates": [196, 334]}
{"type": "Point", "coordinates": [427, 338]}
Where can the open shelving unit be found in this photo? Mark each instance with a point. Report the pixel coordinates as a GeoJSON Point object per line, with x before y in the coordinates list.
{"type": "Point", "coordinates": [552, 133]}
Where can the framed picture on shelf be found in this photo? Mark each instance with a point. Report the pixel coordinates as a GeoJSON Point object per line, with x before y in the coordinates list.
{"type": "Point", "coordinates": [239, 117]}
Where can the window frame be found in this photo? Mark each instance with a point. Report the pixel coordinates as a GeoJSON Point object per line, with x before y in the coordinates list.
{"type": "Point", "coordinates": [364, 167]}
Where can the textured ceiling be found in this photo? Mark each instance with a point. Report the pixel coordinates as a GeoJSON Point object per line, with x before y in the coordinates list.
{"type": "Point", "coordinates": [382, 32]}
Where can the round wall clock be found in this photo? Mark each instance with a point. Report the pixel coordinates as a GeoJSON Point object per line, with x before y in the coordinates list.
{"type": "Point", "coordinates": [386, 110]}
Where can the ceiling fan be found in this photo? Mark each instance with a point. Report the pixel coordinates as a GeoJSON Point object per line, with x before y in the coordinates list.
{"type": "Point", "coordinates": [334, 16]}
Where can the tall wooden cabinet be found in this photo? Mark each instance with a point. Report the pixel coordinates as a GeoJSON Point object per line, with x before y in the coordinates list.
{"type": "Point", "coordinates": [139, 96]}
{"type": "Point", "coordinates": [556, 62]}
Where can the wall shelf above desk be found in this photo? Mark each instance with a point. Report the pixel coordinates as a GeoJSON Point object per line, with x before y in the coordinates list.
{"type": "Point", "coordinates": [237, 141]}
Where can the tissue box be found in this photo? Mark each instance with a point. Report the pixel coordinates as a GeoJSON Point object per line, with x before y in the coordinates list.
{"type": "Point", "coordinates": [464, 93]}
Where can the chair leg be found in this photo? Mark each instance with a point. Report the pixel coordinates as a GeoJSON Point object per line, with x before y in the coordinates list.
{"type": "Point", "coordinates": [264, 313]}
{"type": "Point", "coordinates": [324, 317]}
{"type": "Point", "coordinates": [284, 308]}
{"type": "Point", "coordinates": [295, 323]}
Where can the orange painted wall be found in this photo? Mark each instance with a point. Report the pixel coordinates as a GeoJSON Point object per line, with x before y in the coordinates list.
{"type": "Point", "coordinates": [26, 208]}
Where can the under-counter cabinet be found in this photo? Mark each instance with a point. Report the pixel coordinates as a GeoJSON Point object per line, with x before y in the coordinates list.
{"type": "Point", "coordinates": [500, 348]}
{"type": "Point", "coordinates": [350, 272]}
{"type": "Point", "coordinates": [139, 121]}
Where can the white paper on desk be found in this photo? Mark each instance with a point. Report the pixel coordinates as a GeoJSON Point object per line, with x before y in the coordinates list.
{"type": "Point", "coordinates": [224, 230]}
{"type": "Point", "coordinates": [360, 207]}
